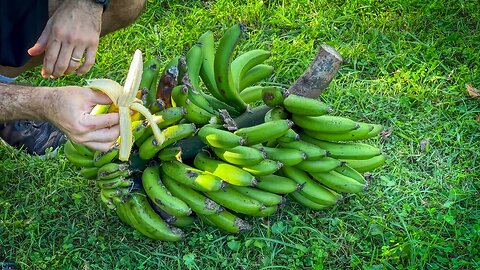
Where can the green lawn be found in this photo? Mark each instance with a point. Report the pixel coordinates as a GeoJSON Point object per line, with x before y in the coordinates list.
{"type": "Point", "coordinates": [407, 66]}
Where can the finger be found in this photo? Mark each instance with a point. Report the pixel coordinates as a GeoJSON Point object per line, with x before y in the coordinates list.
{"type": "Point", "coordinates": [89, 60]}
{"type": "Point", "coordinates": [101, 121]}
{"type": "Point", "coordinates": [74, 64]}
{"type": "Point", "coordinates": [104, 135]}
{"type": "Point", "coordinates": [100, 98]}
{"type": "Point", "coordinates": [99, 146]}
{"type": "Point", "coordinates": [51, 54]}
{"type": "Point", "coordinates": [40, 46]}
{"type": "Point", "coordinates": [63, 60]}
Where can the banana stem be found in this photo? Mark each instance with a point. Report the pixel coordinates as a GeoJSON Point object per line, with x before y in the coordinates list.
{"type": "Point", "coordinates": [319, 74]}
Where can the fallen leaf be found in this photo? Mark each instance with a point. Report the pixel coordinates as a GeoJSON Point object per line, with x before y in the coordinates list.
{"type": "Point", "coordinates": [472, 91]}
{"type": "Point", "coordinates": [424, 145]}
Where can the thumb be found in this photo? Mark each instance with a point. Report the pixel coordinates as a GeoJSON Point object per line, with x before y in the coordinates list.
{"type": "Point", "coordinates": [40, 46]}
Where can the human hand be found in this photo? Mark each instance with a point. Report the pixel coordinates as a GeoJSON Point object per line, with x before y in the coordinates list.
{"type": "Point", "coordinates": [72, 32]}
{"type": "Point", "coordinates": [69, 109]}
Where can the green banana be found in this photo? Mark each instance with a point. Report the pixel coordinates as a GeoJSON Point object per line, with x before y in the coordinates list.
{"type": "Point", "coordinates": [194, 60]}
{"type": "Point", "coordinates": [126, 215]}
{"type": "Point", "coordinates": [351, 172]}
{"type": "Point", "coordinates": [267, 211]}
{"type": "Point", "coordinates": [150, 221]}
{"type": "Point", "coordinates": [116, 182]}
{"type": "Point", "coordinates": [324, 164]}
{"type": "Point", "coordinates": [301, 199]}
{"type": "Point", "coordinates": [179, 95]}
{"type": "Point", "coordinates": [222, 66]}
{"type": "Point", "coordinates": [151, 72]}
{"type": "Point", "coordinates": [255, 75]}
{"type": "Point", "coordinates": [277, 184]}
{"type": "Point", "coordinates": [238, 202]}
{"type": "Point", "coordinates": [75, 157]}
{"type": "Point", "coordinates": [163, 119]}
{"type": "Point", "coordinates": [89, 172]}
{"type": "Point", "coordinates": [252, 94]}
{"type": "Point", "coordinates": [301, 105]}
{"type": "Point", "coordinates": [198, 115]}
{"type": "Point", "coordinates": [227, 172]}
{"type": "Point", "coordinates": [112, 170]}
{"type": "Point", "coordinates": [377, 128]}
{"type": "Point", "coordinates": [244, 62]}
{"type": "Point", "coordinates": [197, 201]}
{"type": "Point", "coordinates": [82, 149]}
{"type": "Point", "coordinates": [313, 151]}
{"type": "Point", "coordinates": [182, 77]}
{"type": "Point", "coordinates": [111, 193]}
{"type": "Point", "coordinates": [339, 182]}
{"type": "Point", "coordinates": [273, 96]}
{"type": "Point", "coordinates": [227, 222]}
{"type": "Point", "coordinates": [170, 153]}
{"type": "Point", "coordinates": [287, 156]}
{"type": "Point", "coordinates": [289, 136]}
{"type": "Point", "coordinates": [207, 71]}
{"type": "Point", "coordinates": [365, 165]}
{"type": "Point", "coordinates": [101, 158]}
{"type": "Point", "coordinates": [199, 99]}
{"type": "Point", "coordinates": [325, 123]}
{"type": "Point", "coordinates": [183, 222]}
{"type": "Point", "coordinates": [157, 105]}
{"type": "Point", "coordinates": [315, 191]}
{"type": "Point", "coordinates": [240, 155]}
{"type": "Point", "coordinates": [218, 105]}
{"type": "Point", "coordinates": [264, 167]}
{"type": "Point", "coordinates": [265, 131]}
{"type": "Point", "coordinates": [172, 134]}
{"type": "Point", "coordinates": [265, 197]}
{"type": "Point", "coordinates": [160, 195]}
{"type": "Point", "coordinates": [360, 133]}
{"type": "Point", "coordinates": [276, 113]}
{"type": "Point", "coordinates": [192, 177]}
{"type": "Point", "coordinates": [344, 150]}
{"type": "Point", "coordinates": [214, 136]}
{"type": "Point", "coordinates": [107, 201]}
{"type": "Point", "coordinates": [175, 221]}
{"type": "Point", "coordinates": [138, 129]}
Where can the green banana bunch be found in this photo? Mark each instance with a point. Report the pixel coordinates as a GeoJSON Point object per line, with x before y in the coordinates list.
{"type": "Point", "coordinates": [137, 212]}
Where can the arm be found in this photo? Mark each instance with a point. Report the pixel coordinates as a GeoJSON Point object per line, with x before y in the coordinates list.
{"type": "Point", "coordinates": [68, 108]}
{"type": "Point", "coordinates": [73, 30]}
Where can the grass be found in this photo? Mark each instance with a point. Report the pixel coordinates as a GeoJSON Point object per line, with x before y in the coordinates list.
{"type": "Point", "coordinates": [407, 66]}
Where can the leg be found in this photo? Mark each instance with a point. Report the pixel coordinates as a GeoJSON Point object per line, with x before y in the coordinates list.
{"type": "Point", "coordinates": [120, 14]}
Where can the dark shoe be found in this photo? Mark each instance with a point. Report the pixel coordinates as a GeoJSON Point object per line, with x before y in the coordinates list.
{"type": "Point", "coordinates": [6, 265]}
{"type": "Point", "coordinates": [33, 137]}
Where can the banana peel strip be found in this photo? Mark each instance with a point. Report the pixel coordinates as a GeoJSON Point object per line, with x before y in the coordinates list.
{"type": "Point", "coordinates": [125, 98]}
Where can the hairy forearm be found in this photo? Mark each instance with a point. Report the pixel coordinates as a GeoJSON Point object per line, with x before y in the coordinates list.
{"type": "Point", "coordinates": [23, 102]}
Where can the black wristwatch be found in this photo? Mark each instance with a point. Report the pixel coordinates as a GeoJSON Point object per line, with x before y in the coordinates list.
{"type": "Point", "coordinates": [104, 3]}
